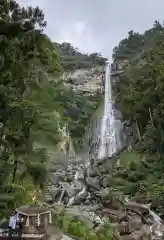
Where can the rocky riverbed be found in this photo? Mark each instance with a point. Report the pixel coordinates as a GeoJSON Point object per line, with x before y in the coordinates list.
{"type": "Point", "coordinates": [82, 190]}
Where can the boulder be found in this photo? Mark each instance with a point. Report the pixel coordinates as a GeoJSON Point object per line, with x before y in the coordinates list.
{"type": "Point", "coordinates": [48, 198]}
{"type": "Point", "coordinates": [104, 182]}
{"type": "Point", "coordinates": [112, 214]}
{"type": "Point", "coordinates": [138, 235]}
{"type": "Point", "coordinates": [135, 223]}
{"type": "Point", "coordinates": [93, 183]}
{"type": "Point", "coordinates": [66, 237]}
{"type": "Point", "coordinates": [56, 176]}
{"type": "Point", "coordinates": [55, 192]}
{"type": "Point", "coordinates": [141, 207]}
{"type": "Point", "coordinates": [124, 228]}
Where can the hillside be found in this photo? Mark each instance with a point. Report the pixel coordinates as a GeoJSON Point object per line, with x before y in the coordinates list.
{"type": "Point", "coordinates": [139, 96]}
{"type": "Point", "coordinates": [83, 88]}
{"type": "Point", "coordinates": [126, 190]}
{"type": "Point", "coordinates": [72, 58]}
{"type": "Point", "coordinates": [39, 108]}
{"type": "Point", "coordinates": [48, 93]}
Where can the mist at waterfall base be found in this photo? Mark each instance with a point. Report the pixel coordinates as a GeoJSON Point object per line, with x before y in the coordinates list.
{"type": "Point", "coordinates": [108, 144]}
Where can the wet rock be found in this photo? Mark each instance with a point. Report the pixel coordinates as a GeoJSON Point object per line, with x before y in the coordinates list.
{"type": "Point", "coordinates": [93, 173]}
{"type": "Point", "coordinates": [138, 235]}
{"type": "Point", "coordinates": [105, 193]}
{"type": "Point", "coordinates": [123, 217]}
{"type": "Point", "coordinates": [78, 186]}
{"type": "Point", "coordinates": [55, 192]}
{"type": "Point", "coordinates": [57, 176]}
{"type": "Point", "coordinates": [124, 228]}
{"type": "Point", "coordinates": [94, 183]}
{"type": "Point", "coordinates": [146, 230]}
{"type": "Point", "coordinates": [71, 191]}
{"type": "Point", "coordinates": [135, 223]}
{"type": "Point", "coordinates": [158, 230]}
{"type": "Point", "coordinates": [65, 237]}
{"type": "Point", "coordinates": [113, 215]}
{"type": "Point", "coordinates": [141, 207]}
{"type": "Point", "coordinates": [114, 204]}
{"type": "Point", "coordinates": [48, 198]}
{"type": "Point", "coordinates": [104, 182]}
{"type": "Point", "coordinates": [74, 189]}
{"type": "Point", "coordinates": [70, 178]}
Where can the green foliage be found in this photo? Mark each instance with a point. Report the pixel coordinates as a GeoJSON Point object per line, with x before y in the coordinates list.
{"type": "Point", "coordinates": [139, 176]}
{"type": "Point", "coordinates": [34, 103]}
{"type": "Point", "coordinates": [15, 195]}
{"type": "Point", "coordinates": [114, 194]}
{"type": "Point", "coordinates": [81, 230]}
{"type": "Point", "coordinates": [77, 110]}
{"type": "Point", "coordinates": [28, 67]}
{"type": "Point", "coordinates": [139, 96]}
{"type": "Point", "coordinates": [72, 59]}
{"type": "Point", "coordinates": [139, 91]}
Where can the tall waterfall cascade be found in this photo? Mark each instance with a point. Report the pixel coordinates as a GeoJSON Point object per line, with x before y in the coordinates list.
{"type": "Point", "coordinates": [108, 143]}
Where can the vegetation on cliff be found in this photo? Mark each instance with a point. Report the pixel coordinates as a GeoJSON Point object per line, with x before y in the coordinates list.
{"type": "Point", "coordinates": [78, 109]}
{"type": "Point", "coordinates": [29, 73]}
{"type": "Point", "coordinates": [34, 104]}
{"type": "Point", "coordinates": [72, 58]}
{"type": "Point", "coordinates": [139, 96]}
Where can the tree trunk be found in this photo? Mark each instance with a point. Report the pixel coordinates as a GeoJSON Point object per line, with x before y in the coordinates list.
{"type": "Point", "coordinates": [138, 130]}
{"type": "Point", "coordinates": [151, 117]}
{"type": "Point", "coordinates": [15, 170]}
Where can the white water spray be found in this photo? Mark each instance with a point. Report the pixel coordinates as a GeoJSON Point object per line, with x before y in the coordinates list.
{"type": "Point", "coordinates": [108, 132]}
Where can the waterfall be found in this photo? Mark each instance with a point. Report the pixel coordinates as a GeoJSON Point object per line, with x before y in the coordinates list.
{"type": "Point", "coordinates": [108, 144]}
{"type": "Point", "coordinates": [108, 132]}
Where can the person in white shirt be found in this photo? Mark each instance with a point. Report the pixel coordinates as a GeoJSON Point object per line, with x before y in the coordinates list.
{"type": "Point", "coordinates": [13, 223]}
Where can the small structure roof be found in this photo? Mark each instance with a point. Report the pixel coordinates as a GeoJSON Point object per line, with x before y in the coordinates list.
{"type": "Point", "coordinates": [32, 210]}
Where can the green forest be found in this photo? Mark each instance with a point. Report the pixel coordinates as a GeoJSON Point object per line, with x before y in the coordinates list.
{"type": "Point", "coordinates": [139, 96]}
{"type": "Point", "coordinates": [34, 102]}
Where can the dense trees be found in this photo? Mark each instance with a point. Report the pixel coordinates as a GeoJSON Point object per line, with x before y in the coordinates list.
{"type": "Point", "coordinates": [139, 95]}
{"type": "Point", "coordinates": [34, 103]}
{"type": "Point", "coordinates": [72, 59]}
{"type": "Point", "coordinates": [139, 92]}
{"type": "Point", "coordinates": [28, 66]}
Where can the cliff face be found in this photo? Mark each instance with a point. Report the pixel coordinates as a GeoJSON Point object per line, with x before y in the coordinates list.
{"type": "Point", "coordinates": [87, 81]}
{"type": "Point", "coordinates": [83, 80]}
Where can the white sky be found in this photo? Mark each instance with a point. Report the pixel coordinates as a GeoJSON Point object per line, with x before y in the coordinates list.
{"type": "Point", "coordinates": [97, 25]}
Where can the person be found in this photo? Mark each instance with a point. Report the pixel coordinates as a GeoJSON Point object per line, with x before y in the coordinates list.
{"type": "Point", "coordinates": [20, 224]}
{"type": "Point", "coordinates": [12, 224]}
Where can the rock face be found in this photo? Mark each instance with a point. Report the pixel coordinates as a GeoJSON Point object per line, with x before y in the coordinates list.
{"type": "Point", "coordinates": [85, 196]}
{"type": "Point", "coordinates": [87, 81]}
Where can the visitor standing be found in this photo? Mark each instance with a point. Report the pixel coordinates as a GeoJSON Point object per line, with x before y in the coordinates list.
{"type": "Point", "coordinates": [20, 224]}
{"type": "Point", "coordinates": [12, 224]}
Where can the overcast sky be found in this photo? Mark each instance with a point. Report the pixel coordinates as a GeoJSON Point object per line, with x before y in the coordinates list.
{"type": "Point", "coordinates": [97, 25]}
